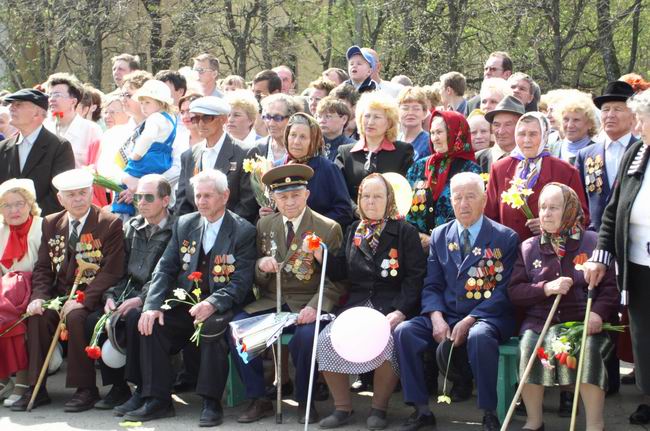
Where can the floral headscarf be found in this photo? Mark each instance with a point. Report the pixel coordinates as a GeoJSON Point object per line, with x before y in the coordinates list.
{"type": "Point", "coordinates": [572, 220]}
{"type": "Point", "coordinates": [369, 229]}
{"type": "Point", "coordinates": [316, 142]}
{"type": "Point", "coordinates": [528, 167]}
{"type": "Point", "coordinates": [459, 143]}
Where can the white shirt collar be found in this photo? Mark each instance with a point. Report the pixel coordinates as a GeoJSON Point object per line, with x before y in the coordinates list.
{"type": "Point", "coordinates": [214, 226]}
{"type": "Point", "coordinates": [216, 146]}
{"type": "Point", "coordinates": [295, 221]}
{"type": "Point", "coordinates": [623, 140]}
{"type": "Point", "coordinates": [82, 220]}
{"type": "Point", "coordinates": [31, 138]}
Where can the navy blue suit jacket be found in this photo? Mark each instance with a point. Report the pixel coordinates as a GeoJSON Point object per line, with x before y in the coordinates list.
{"type": "Point", "coordinates": [444, 284]}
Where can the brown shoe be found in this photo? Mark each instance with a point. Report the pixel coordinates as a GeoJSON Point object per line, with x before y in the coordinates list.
{"type": "Point", "coordinates": [257, 409]}
{"type": "Point", "coordinates": [41, 399]}
{"type": "Point", "coordinates": [82, 400]}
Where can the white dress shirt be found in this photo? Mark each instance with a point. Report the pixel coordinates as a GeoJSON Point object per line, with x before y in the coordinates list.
{"type": "Point", "coordinates": [613, 153]}
{"type": "Point", "coordinates": [82, 222]}
{"type": "Point", "coordinates": [294, 221]}
{"type": "Point", "coordinates": [25, 145]}
{"type": "Point", "coordinates": [80, 133]}
{"type": "Point", "coordinates": [210, 233]}
{"type": "Point", "coordinates": [209, 156]}
{"type": "Point", "coordinates": [639, 236]}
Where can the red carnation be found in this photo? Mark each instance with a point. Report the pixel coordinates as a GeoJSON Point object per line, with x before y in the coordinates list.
{"type": "Point", "coordinates": [313, 242]}
{"type": "Point", "coordinates": [195, 276]}
{"type": "Point", "coordinates": [93, 352]}
{"type": "Point", "coordinates": [541, 354]}
{"type": "Point", "coordinates": [81, 297]}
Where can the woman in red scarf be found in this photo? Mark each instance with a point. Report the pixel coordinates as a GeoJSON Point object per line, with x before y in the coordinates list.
{"type": "Point", "coordinates": [451, 153]}
{"type": "Point", "coordinates": [20, 237]}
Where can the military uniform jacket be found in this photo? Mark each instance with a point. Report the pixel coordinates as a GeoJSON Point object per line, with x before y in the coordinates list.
{"type": "Point", "coordinates": [101, 242]}
{"type": "Point", "coordinates": [299, 286]}
{"type": "Point", "coordinates": [448, 283]}
{"type": "Point", "coordinates": [235, 242]}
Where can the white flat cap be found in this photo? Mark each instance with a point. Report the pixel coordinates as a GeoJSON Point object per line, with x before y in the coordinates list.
{"type": "Point", "coordinates": [18, 183]}
{"type": "Point", "coordinates": [210, 105]}
{"type": "Point", "coordinates": [74, 179]}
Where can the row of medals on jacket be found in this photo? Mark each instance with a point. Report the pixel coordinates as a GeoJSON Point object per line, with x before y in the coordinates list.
{"type": "Point", "coordinates": [223, 264]}
{"type": "Point", "coordinates": [87, 249]}
{"type": "Point", "coordinates": [299, 263]}
{"type": "Point", "coordinates": [485, 275]}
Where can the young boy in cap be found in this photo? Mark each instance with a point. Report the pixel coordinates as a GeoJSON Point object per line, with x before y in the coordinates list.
{"type": "Point", "coordinates": [280, 238]}
{"type": "Point", "coordinates": [361, 64]}
{"type": "Point", "coordinates": [81, 231]}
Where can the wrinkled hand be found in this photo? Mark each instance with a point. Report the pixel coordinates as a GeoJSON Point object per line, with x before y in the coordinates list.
{"type": "Point", "coordinates": [71, 305]}
{"type": "Point", "coordinates": [318, 253]}
{"type": "Point", "coordinates": [307, 315]}
{"type": "Point", "coordinates": [595, 324]}
{"type": "Point", "coordinates": [147, 319]}
{"type": "Point", "coordinates": [125, 197]}
{"type": "Point", "coordinates": [129, 305]}
{"type": "Point", "coordinates": [534, 226]}
{"type": "Point", "coordinates": [594, 272]}
{"type": "Point", "coordinates": [264, 211]}
{"type": "Point", "coordinates": [559, 286]}
{"type": "Point", "coordinates": [395, 318]}
{"type": "Point", "coordinates": [440, 328]}
{"type": "Point", "coordinates": [109, 306]}
{"type": "Point", "coordinates": [268, 264]}
{"type": "Point", "coordinates": [201, 311]}
{"type": "Point", "coordinates": [461, 330]}
{"type": "Point", "coordinates": [35, 307]}
{"type": "Point", "coordinates": [425, 241]}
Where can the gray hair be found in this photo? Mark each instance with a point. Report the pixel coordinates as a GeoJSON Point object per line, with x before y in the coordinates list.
{"type": "Point", "coordinates": [217, 178]}
{"type": "Point", "coordinates": [498, 85]}
{"type": "Point", "coordinates": [640, 102]}
{"type": "Point", "coordinates": [464, 178]}
{"type": "Point", "coordinates": [163, 189]}
{"type": "Point", "coordinates": [521, 76]}
{"type": "Point", "coordinates": [291, 105]}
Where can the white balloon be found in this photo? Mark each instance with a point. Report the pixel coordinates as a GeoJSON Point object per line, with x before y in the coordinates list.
{"type": "Point", "coordinates": [111, 357]}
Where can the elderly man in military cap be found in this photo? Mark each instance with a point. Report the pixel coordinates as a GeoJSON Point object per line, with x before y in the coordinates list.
{"type": "Point", "coordinates": [220, 246]}
{"type": "Point", "coordinates": [34, 153]}
{"type": "Point", "coordinates": [81, 231]}
{"type": "Point", "coordinates": [218, 151]}
{"type": "Point", "coordinates": [280, 239]}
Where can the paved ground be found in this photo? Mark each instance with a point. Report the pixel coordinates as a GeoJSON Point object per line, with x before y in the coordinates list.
{"type": "Point", "coordinates": [458, 416]}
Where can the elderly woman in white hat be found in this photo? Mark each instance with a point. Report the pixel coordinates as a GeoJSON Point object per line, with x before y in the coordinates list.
{"type": "Point", "coordinates": [20, 237]}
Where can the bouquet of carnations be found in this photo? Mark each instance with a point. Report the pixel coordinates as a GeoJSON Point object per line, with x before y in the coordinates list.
{"type": "Point", "coordinates": [257, 167]}
{"type": "Point", "coordinates": [517, 196]}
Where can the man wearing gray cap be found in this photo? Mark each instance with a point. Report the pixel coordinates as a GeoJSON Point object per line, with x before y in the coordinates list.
{"type": "Point", "coordinates": [34, 153]}
{"type": "Point", "coordinates": [218, 151]}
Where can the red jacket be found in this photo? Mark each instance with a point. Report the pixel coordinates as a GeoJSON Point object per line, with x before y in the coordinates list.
{"type": "Point", "coordinates": [552, 170]}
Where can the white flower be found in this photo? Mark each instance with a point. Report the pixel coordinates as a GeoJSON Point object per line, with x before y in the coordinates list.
{"type": "Point", "coordinates": [559, 346]}
{"type": "Point", "coordinates": [165, 307]}
{"type": "Point", "coordinates": [537, 263]}
{"type": "Point", "coordinates": [180, 294]}
{"type": "Point", "coordinates": [55, 304]}
{"type": "Point", "coordinates": [476, 251]}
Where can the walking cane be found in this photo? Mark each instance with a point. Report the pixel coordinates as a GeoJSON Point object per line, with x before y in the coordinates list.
{"type": "Point", "coordinates": [82, 266]}
{"type": "Point", "coordinates": [319, 308]}
{"type": "Point", "coordinates": [278, 362]}
{"type": "Point", "coordinates": [530, 363]}
{"type": "Point", "coordinates": [583, 346]}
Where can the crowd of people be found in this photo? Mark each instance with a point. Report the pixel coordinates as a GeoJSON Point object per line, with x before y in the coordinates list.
{"type": "Point", "coordinates": [185, 246]}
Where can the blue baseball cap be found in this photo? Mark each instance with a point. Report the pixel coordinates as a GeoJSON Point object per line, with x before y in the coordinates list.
{"type": "Point", "coordinates": [364, 52]}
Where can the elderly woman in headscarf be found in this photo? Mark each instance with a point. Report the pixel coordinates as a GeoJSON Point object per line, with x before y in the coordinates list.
{"type": "Point", "coordinates": [328, 194]}
{"type": "Point", "coordinates": [450, 144]}
{"type": "Point", "coordinates": [531, 165]}
{"type": "Point", "coordinates": [20, 238]}
{"type": "Point", "coordinates": [385, 272]}
{"type": "Point", "coordinates": [551, 264]}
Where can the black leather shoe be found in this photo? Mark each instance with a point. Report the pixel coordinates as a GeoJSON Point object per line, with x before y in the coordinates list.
{"type": "Point", "coordinates": [417, 422]}
{"type": "Point", "coordinates": [336, 419]}
{"type": "Point", "coordinates": [641, 416]}
{"type": "Point", "coordinates": [41, 399]}
{"type": "Point", "coordinates": [287, 390]}
{"type": "Point", "coordinates": [491, 422]}
{"type": "Point", "coordinates": [212, 413]}
{"type": "Point", "coordinates": [313, 413]}
{"type": "Point", "coordinates": [566, 404]}
{"type": "Point", "coordinates": [82, 400]}
{"type": "Point", "coordinates": [134, 403]}
{"type": "Point", "coordinates": [119, 394]}
{"type": "Point", "coordinates": [461, 392]}
{"type": "Point", "coordinates": [153, 408]}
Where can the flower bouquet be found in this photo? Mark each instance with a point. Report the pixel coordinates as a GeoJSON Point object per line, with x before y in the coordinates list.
{"type": "Point", "coordinates": [183, 297]}
{"type": "Point", "coordinates": [257, 167]}
{"type": "Point", "coordinates": [102, 181]}
{"type": "Point", "coordinates": [93, 350]}
{"type": "Point", "coordinates": [566, 346]}
{"type": "Point", "coordinates": [54, 304]}
{"type": "Point", "coordinates": [517, 196]}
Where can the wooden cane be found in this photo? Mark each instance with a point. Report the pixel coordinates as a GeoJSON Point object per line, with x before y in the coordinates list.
{"type": "Point", "coordinates": [583, 346]}
{"type": "Point", "coordinates": [531, 361]}
{"type": "Point", "coordinates": [82, 266]}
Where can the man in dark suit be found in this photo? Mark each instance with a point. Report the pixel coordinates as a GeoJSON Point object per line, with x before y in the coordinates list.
{"type": "Point", "coordinates": [85, 232]}
{"type": "Point", "coordinates": [464, 303]}
{"type": "Point", "coordinates": [35, 153]}
{"type": "Point", "coordinates": [502, 121]}
{"type": "Point", "coordinates": [221, 246]}
{"type": "Point", "coordinates": [218, 151]}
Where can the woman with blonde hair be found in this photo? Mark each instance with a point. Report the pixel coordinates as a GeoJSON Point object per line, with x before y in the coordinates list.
{"type": "Point", "coordinates": [579, 125]}
{"type": "Point", "coordinates": [243, 114]}
{"type": "Point", "coordinates": [20, 238]}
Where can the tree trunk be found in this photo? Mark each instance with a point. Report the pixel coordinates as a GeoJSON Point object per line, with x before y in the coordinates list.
{"type": "Point", "coordinates": [358, 22]}
{"type": "Point", "coordinates": [606, 40]}
{"type": "Point", "coordinates": [635, 36]}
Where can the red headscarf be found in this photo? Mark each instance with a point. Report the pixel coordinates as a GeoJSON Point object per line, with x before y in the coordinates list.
{"type": "Point", "coordinates": [17, 243]}
{"type": "Point", "coordinates": [459, 143]}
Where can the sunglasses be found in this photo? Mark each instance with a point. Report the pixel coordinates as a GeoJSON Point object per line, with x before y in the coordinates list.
{"type": "Point", "coordinates": [203, 118]}
{"type": "Point", "coordinates": [277, 118]}
{"type": "Point", "coordinates": [148, 197]}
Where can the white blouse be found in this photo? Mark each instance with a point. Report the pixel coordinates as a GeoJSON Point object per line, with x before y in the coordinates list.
{"type": "Point", "coordinates": [639, 236]}
{"type": "Point", "coordinates": [33, 243]}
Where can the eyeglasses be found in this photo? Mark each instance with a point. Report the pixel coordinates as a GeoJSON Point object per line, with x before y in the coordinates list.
{"type": "Point", "coordinates": [58, 96]}
{"type": "Point", "coordinates": [148, 197]}
{"type": "Point", "coordinates": [277, 118]}
{"type": "Point", "coordinates": [125, 95]}
{"type": "Point", "coordinates": [201, 71]}
{"type": "Point", "coordinates": [203, 118]}
{"type": "Point", "coordinates": [15, 206]}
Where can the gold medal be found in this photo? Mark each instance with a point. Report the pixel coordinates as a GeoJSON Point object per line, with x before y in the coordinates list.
{"type": "Point", "coordinates": [217, 269]}
{"type": "Point", "coordinates": [222, 279]}
{"type": "Point", "coordinates": [294, 247]}
{"type": "Point", "coordinates": [487, 294]}
{"type": "Point", "coordinates": [414, 208]}
{"type": "Point", "coordinates": [479, 282]}
{"type": "Point", "coordinates": [216, 279]}
{"type": "Point", "coordinates": [421, 207]}
{"type": "Point", "coordinates": [471, 282]}
{"type": "Point", "coordinates": [469, 295]}
{"type": "Point", "coordinates": [477, 295]}
{"type": "Point", "coordinates": [183, 249]}
{"type": "Point", "coordinates": [393, 272]}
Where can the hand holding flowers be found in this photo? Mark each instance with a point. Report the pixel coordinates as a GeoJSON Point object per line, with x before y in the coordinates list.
{"type": "Point", "coordinates": [257, 167]}
{"type": "Point", "coordinates": [200, 310]}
